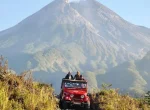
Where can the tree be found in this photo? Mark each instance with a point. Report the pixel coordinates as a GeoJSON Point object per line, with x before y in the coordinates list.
{"type": "Point", "coordinates": [147, 97]}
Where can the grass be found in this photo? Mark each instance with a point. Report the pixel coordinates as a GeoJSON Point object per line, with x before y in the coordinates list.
{"type": "Point", "coordinates": [110, 99]}
{"type": "Point", "coordinates": [21, 93]}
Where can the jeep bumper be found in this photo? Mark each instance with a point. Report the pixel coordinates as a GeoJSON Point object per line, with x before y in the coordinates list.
{"type": "Point", "coordinates": [81, 104]}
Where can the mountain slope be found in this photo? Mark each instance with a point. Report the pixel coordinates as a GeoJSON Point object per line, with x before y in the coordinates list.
{"type": "Point", "coordinates": [62, 37]}
{"type": "Point", "coordinates": [115, 29]}
{"type": "Point", "coordinates": [132, 75]}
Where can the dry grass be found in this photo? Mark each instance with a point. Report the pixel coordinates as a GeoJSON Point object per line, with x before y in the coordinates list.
{"type": "Point", "coordinates": [110, 99]}
{"type": "Point", "coordinates": [21, 93]}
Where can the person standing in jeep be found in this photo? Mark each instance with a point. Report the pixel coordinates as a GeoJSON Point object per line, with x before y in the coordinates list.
{"type": "Point", "coordinates": [78, 76]}
{"type": "Point", "coordinates": [69, 76]}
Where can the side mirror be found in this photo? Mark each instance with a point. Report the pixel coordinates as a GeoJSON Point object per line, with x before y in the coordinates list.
{"type": "Point", "coordinates": [88, 94]}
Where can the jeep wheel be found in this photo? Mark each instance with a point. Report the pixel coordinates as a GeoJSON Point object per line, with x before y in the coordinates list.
{"type": "Point", "coordinates": [64, 105]}
{"type": "Point", "coordinates": [87, 107]}
{"type": "Point", "coordinates": [60, 104]}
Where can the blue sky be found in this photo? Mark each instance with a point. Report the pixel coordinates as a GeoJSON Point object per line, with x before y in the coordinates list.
{"type": "Point", "coordinates": [13, 11]}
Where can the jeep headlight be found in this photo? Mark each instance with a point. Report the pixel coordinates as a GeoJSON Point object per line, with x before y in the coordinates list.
{"type": "Point", "coordinates": [71, 95]}
{"type": "Point", "coordinates": [82, 96]}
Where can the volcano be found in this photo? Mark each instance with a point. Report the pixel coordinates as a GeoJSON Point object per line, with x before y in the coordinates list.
{"type": "Point", "coordinates": [67, 36]}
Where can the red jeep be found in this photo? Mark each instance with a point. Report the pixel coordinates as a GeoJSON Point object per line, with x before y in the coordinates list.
{"type": "Point", "coordinates": [74, 93]}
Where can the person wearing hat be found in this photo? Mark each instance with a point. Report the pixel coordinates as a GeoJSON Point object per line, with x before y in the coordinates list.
{"type": "Point", "coordinates": [69, 76]}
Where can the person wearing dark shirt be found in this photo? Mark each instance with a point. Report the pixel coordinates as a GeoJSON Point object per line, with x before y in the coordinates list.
{"type": "Point", "coordinates": [69, 76]}
{"type": "Point", "coordinates": [81, 77]}
{"type": "Point", "coordinates": [77, 76]}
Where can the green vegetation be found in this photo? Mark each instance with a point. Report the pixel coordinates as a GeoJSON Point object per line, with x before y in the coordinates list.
{"type": "Point", "coordinates": [110, 99]}
{"type": "Point", "coordinates": [21, 93]}
{"type": "Point", "coordinates": [147, 98]}
{"type": "Point", "coordinates": [131, 76]}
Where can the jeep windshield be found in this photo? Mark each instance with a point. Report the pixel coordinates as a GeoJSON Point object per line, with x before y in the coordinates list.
{"type": "Point", "coordinates": [75, 85]}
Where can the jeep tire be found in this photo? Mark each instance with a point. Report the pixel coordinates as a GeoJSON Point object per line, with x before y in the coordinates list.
{"type": "Point", "coordinates": [64, 105]}
{"type": "Point", "coordinates": [87, 107]}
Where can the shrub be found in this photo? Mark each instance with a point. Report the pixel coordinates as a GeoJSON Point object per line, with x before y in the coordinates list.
{"type": "Point", "coordinates": [110, 99]}
{"type": "Point", "coordinates": [20, 92]}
